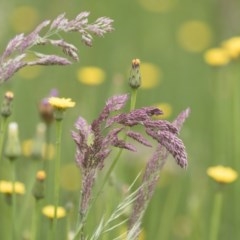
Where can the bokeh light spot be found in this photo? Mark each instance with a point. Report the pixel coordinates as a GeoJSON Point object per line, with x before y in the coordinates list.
{"type": "Point", "coordinates": [194, 36]}
{"type": "Point", "coordinates": [91, 75]}
{"type": "Point", "coordinates": [157, 5]}
{"type": "Point", "coordinates": [24, 18]}
{"type": "Point", "coordinates": [70, 177]}
{"type": "Point", "coordinates": [166, 108]}
{"type": "Point", "coordinates": [216, 57]}
{"type": "Point", "coordinates": [151, 75]}
{"type": "Point", "coordinates": [27, 147]}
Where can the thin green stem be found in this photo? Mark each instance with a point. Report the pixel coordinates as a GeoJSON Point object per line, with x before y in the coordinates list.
{"type": "Point", "coordinates": [133, 99]}
{"type": "Point", "coordinates": [13, 200]}
{"type": "Point", "coordinates": [216, 216]}
{"type": "Point", "coordinates": [57, 174]}
{"type": "Point", "coordinates": [169, 210]}
{"type": "Point", "coordinates": [35, 222]}
{"type": "Point", "coordinates": [2, 135]}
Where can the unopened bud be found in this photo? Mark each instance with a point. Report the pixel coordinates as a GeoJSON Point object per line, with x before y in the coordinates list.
{"type": "Point", "coordinates": [135, 75]}
{"type": "Point", "coordinates": [39, 141]}
{"type": "Point", "coordinates": [13, 146]}
{"type": "Point", "coordinates": [6, 109]}
{"type": "Point", "coordinates": [38, 190]}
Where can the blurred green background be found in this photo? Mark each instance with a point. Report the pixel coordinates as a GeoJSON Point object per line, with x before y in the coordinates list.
{"type": "Point", "coordinates": [169, 37]}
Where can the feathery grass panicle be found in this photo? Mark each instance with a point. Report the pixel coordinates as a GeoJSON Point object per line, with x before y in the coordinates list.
{"type": "Point", "coordinates": [93, 147]}
{"type": "Point", "coordinates": [15, 55]}
{"type": "Point", "coordinates": [171, 144]}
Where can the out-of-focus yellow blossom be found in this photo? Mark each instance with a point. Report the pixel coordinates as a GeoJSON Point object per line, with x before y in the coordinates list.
{"type": "Point", "coordinates": [27, 149]}
{"type": "Point", "coordinates": [91, 75]}
{"type": "Point", "coordinates": [7, 187]}
{"type": "Point", "coordinates": [61, 103]}
{"type": "Point", "coordinates": [232, 46]}
{"type": "Point", "coordinates": [24, 18]}
{"type": "Point", "coordinates": [48, 211]}
{"type": "Point", "coordinates": [217, 57]}
{"type": "Point", "coordinates": [194, 36]}
{"type": "Point", "coordinates": [157, 5]}
{"type": "Point", "coordinates": [167, 110]}
{"type": "Point", "coordinates": [70, 177]}
{"type": "Point", "coordinates": [151, 75]}
{"type": "Point", "coordinates": [222, 174]}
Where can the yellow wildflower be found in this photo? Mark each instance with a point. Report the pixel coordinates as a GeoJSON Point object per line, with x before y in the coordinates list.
{"type": "Point", "coordinates": [232, 46]}
{"type": "Point", "coordinates": [7, 187]}
{"type": "Point", "coordinates": [61, 103]}
{"type": "Point", "coordinates": [48, 211]}
{"type": "Point", "coordinates": [222, 174]}
{"type": "Point", "coordinates": [217, 57]}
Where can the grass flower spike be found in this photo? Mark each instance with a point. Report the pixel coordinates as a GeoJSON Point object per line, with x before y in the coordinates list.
{"type": "Point", "coordinates": [12, 61]}
{"type": "Point", "coordinates": [222, 174]}
{"type": "Point", "coordinates": [95, 141]}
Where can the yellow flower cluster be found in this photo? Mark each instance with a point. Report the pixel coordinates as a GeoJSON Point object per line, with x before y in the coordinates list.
{"type": "Point", "coordinates": [48, 211]}
{"type": "Point", "coordinates": [222, 174]}
{"type": "Point", "coordinates": [7, 187]}
{"type": "Point", "coordinates": [61, 103]}
{"type": "Point", "coordinates": [220, 56]}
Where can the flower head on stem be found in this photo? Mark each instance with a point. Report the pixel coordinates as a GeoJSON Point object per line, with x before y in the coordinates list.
{"type": "Point", "coordinates": [222, 174]}
{"type": "Point", "coordinates": [60, 105]}
{"type": "Point", "coordinates": [48, 211]}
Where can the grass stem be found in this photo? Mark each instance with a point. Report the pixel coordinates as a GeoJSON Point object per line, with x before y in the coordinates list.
{"type": "Point", "coordinates": [216, 216]}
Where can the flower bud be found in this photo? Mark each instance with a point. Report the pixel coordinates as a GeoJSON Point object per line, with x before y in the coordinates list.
{"type": "Point", "coordinates": [38, 190]}
{"type": "Point", "coordinates": [135, 75]}
{"type": "Point", "coordinates": [6, 109]}
{"type": "Point", "coordinates": [13, 147]}
{"type": "Point", "coordinates": [39, 141]}
{"type": "Point", "coordinates": [45, 109]}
